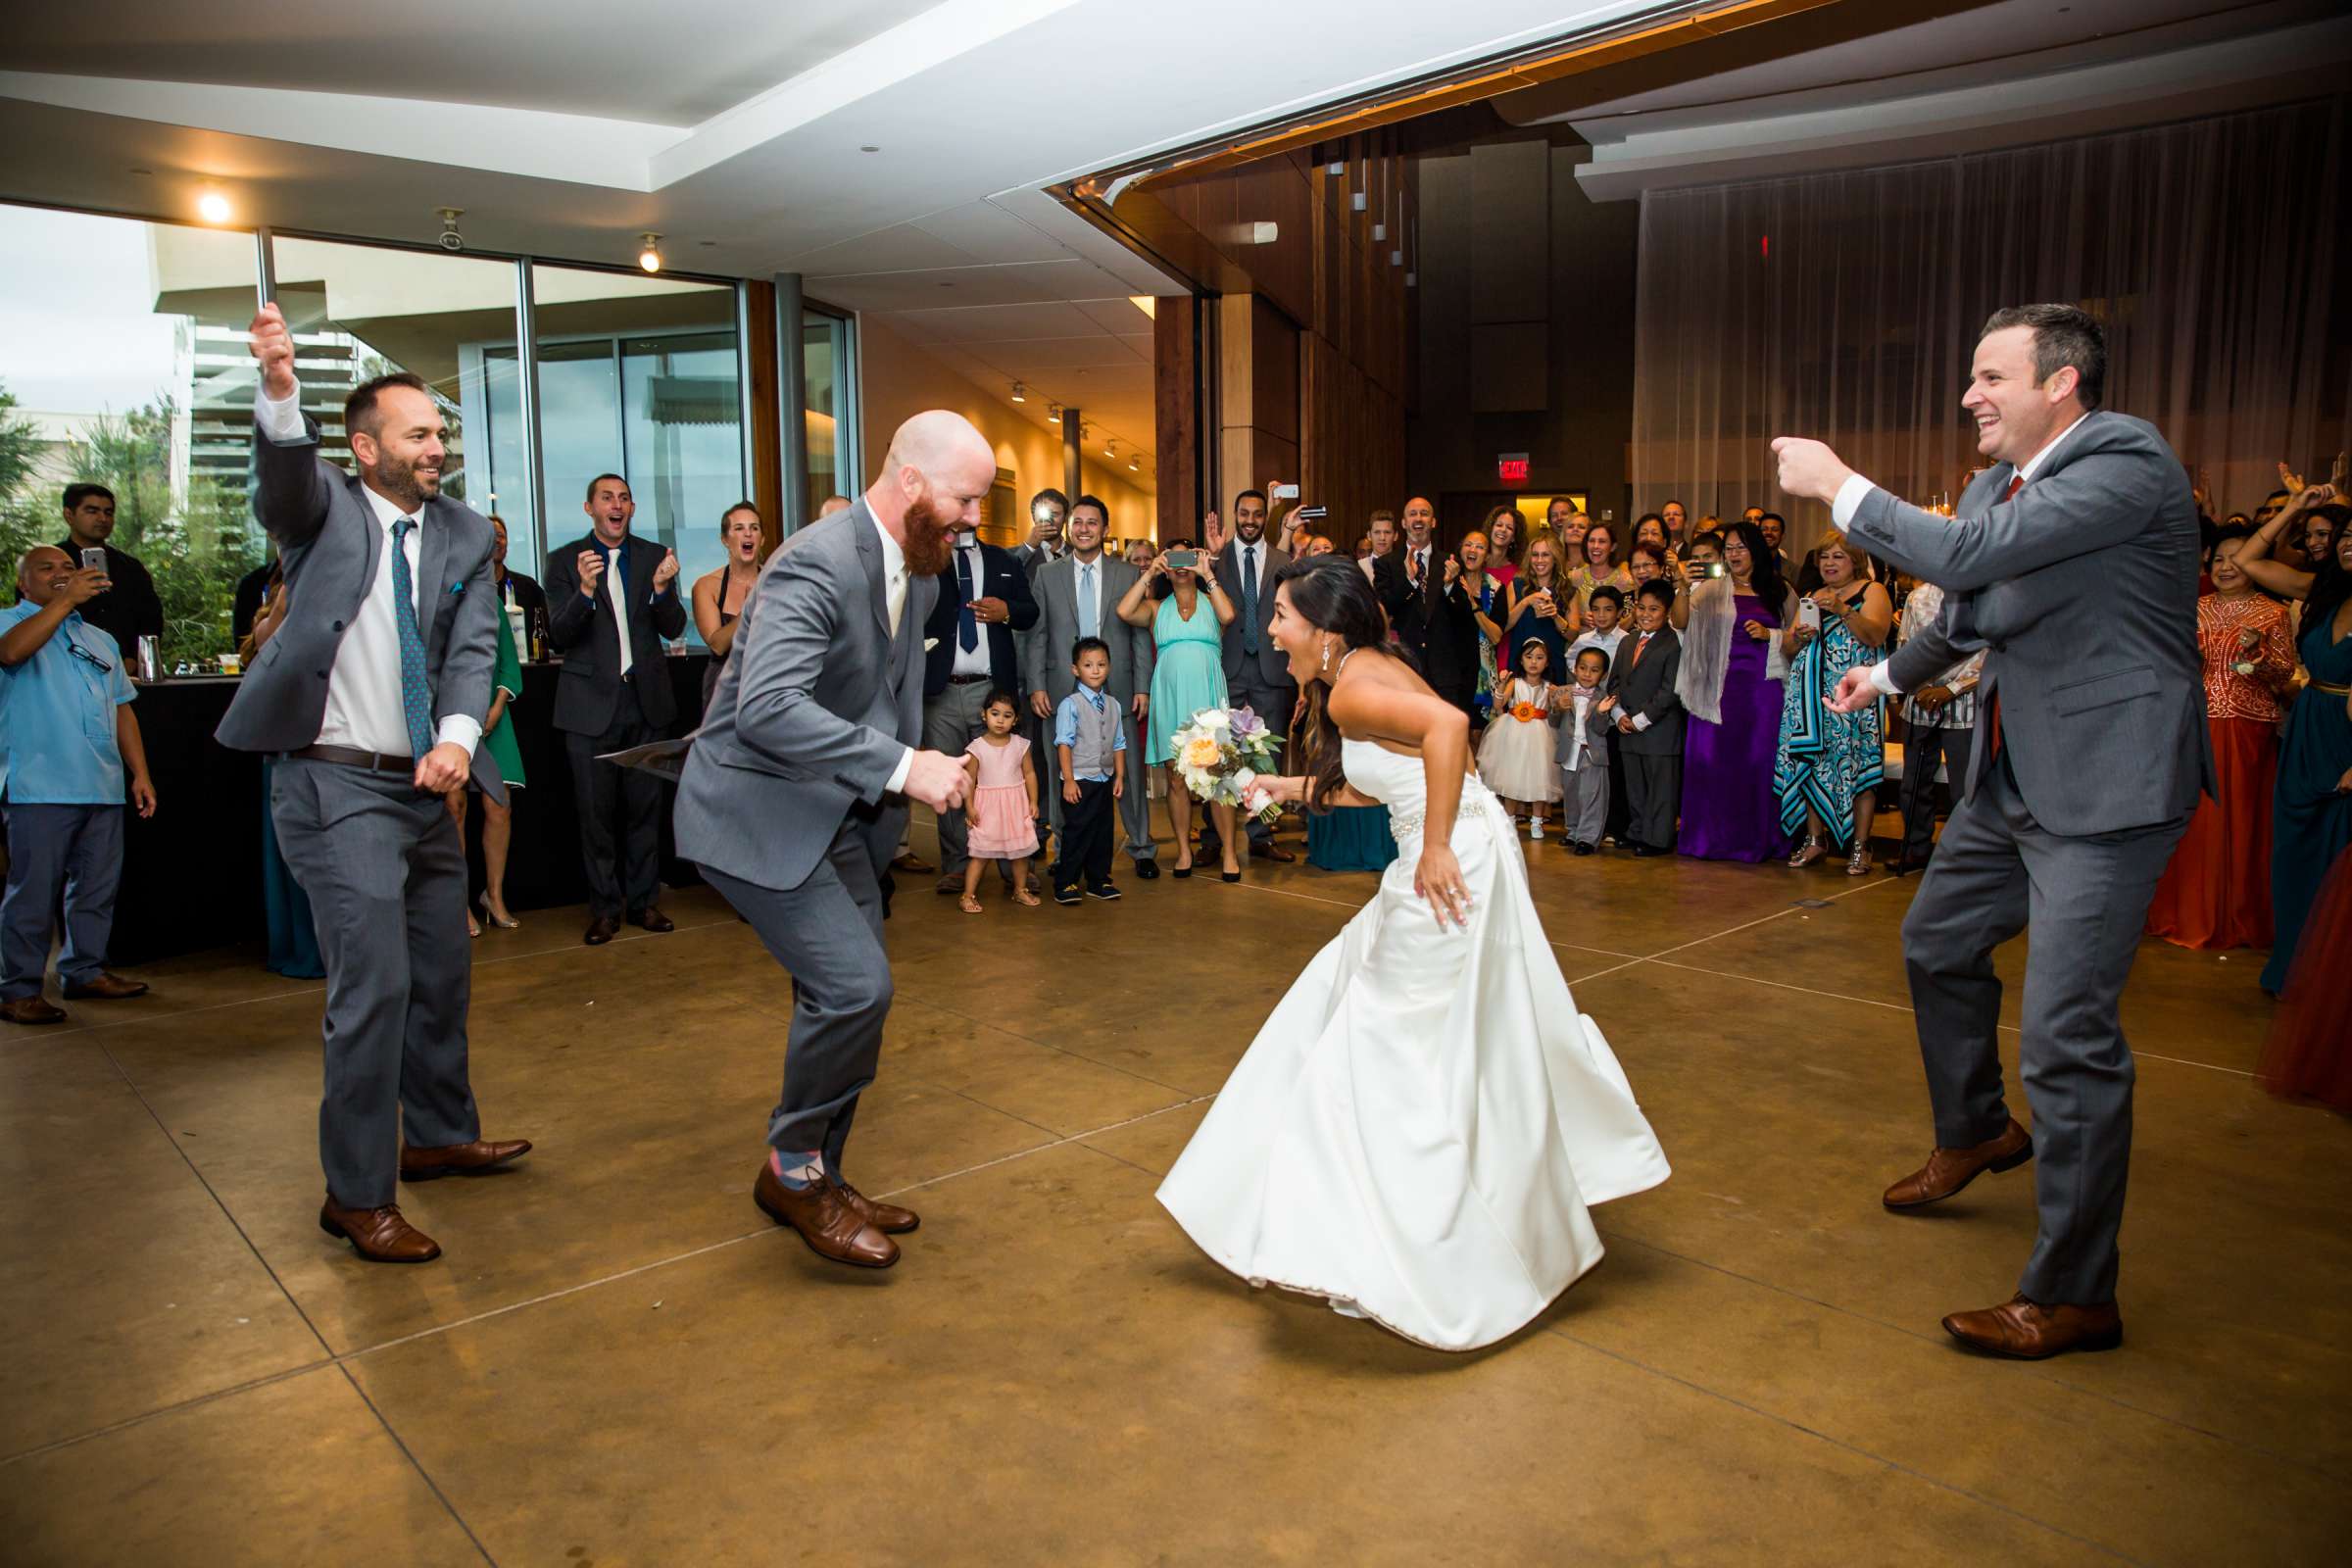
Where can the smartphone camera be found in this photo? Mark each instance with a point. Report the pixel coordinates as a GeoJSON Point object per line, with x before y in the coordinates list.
{"type": "Point", "coordinates": [1184, 559]}
{"type": "Point", "coordinates": [93, 558]}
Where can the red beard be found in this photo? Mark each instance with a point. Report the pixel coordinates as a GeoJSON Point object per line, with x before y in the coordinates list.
{"type": "Point", "coordinates": [927, 531]}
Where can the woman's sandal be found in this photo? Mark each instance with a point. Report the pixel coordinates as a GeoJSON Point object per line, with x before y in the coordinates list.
{"type": "Point", "coordinates": [970, 904]}
{"type": "Point", "coordinates": [1858, 865]}
{"type": "Point", "coordinates": [1023, 896]}
{"type": "Point", "coordinates": [1813, 849]}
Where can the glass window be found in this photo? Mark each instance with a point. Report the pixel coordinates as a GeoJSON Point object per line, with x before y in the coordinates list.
{"type": "Point", "coordinates": [123, 362]}
{"type": "Point", "coordinates": [637, 377]}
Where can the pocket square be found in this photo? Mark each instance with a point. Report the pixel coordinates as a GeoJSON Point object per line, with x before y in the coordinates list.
{"type": "Point", "coordinates": [457, 588]}
{"type": "Point", "coordinates": [930, 643]}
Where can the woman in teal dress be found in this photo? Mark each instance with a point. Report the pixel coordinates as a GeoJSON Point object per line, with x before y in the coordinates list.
{"type": "Point", "coordinates": [498, 820]}
{"type": "Point", "coordinates": [1186, 613]}
{"type": "Point", "coordinates": [1830, 766]}
{"type": "Point", "coordinates": [2310, 819]}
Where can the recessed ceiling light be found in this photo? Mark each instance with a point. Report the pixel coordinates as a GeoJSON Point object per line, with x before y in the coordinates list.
{"type": "Point", "coordinates": [147, 172]}
{"type": "Point", "coordinates": [869, 147]}
{"type": "Point", "coordinates": [706, 244]}
{"type": "Point", "coordinates": [213, 207]}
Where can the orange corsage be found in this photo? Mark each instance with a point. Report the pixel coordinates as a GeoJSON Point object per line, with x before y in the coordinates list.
{"type": "Point", "coordinates": [1524, 713]}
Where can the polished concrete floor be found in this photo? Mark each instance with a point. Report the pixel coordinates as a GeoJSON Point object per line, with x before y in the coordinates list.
{"type": "Point", "coordinates": [619, 1361]}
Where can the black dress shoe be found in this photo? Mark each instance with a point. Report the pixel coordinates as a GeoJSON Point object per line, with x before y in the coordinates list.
{"type": "Point", "coordinates": [652, 920]}
{"type": "Point", "coordinates": [1583, 849]}
{"type": "Point", "coordinates": [1644, 851]}
{"type": "Point", "coordinates": [601, 930]}
{"type": "Point", "coordinates": [1149, 870]}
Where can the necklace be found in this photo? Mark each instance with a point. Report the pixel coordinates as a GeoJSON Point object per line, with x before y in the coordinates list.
{"type": "Point", "coordinates": [1343, 669]}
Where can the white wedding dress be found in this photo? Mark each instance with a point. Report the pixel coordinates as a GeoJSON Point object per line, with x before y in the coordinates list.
{"type": "Point", "coordinates": [1419, 1129]}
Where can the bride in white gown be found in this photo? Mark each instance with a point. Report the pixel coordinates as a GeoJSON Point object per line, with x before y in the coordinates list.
{"type": "Point", "coordinates": [1421, 1126]}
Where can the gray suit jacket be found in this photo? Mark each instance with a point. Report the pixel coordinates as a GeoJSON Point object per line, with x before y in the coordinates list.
{"type": "Point", "coordinates": [1046, 653]}
{"type": "Point", "coordinates": [1273, 665]}
{"type": "Point", "coordinates": [330, 544]}
{"type": "Point", "coordinates": [815, 706]}
{"type": "Point", "coordinates": [2083, 592]}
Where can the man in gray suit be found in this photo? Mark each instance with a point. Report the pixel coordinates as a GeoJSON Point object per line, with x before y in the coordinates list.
{"type": "Point", "coordinates": [1078, 596]}
{"type": "Point", "coordinates": [2073, 562]}
{"type": "Point", "coordinates": [794, 796]}
{"type": "Point", "coordinates": [1257, 674]}
{"type": "Point", "coordinates": [371, 694]}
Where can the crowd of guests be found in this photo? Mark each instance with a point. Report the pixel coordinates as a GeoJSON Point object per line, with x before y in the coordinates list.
{"type": "Point", "coordinates": [1661, 690]}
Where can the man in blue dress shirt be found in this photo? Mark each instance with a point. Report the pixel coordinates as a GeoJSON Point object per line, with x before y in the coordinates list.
{"type": "Point", "coordinates": [67, 739]}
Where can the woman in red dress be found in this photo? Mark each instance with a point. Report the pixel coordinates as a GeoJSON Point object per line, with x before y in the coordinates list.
{"type": "Point", "coordinates": [2217, 891]}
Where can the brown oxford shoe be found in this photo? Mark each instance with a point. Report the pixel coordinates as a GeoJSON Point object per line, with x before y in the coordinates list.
{"type": "Point", "coordinates": [105, 987]}
{"type": "Point", "coordinates": [911, 863]}
{"type": "Point", "coordinates": [378, 1234]}
{"type": "Point", "coordinates": [31, 1010]}
{"type": "Point", "coordinates": [2030, 1331]}
{"type": "Point", "coordinates": [652, 920]}
{"type": "Point", "coordinates": [460, 1160]}
{"type": "Point", "coordinates": [1275, 852]}
{"type": "Point", "coordinates": [1947, 1170]}
{"type": "Point", "coordinates": [826, 1221]}
{"type": "Point", "coordinates": [888, 1218]}
{"type": "Point", "coordinates": [601, 930]}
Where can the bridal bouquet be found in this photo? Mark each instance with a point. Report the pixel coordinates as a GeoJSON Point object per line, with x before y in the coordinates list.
{"type": "Point", "coordinates": [1221, 753]}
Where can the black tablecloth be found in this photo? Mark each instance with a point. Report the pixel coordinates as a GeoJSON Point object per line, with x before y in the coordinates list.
{"type": "Point", "coordinates": [191, 874]}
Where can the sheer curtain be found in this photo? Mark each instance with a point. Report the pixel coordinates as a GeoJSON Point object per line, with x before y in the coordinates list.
{"type": "Point", "coordinates": [1846, 305]}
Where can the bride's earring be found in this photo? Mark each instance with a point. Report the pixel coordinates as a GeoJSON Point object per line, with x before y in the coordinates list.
{"type": "Point", "coordinates": [1327, 655]}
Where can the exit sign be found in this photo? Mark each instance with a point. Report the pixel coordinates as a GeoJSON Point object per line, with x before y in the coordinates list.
{"type": "Point", "coordinates": [1511, 467]}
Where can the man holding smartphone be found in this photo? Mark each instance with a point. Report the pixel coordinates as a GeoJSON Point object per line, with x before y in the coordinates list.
{"type": "Point", "coordinates": [128, 607]}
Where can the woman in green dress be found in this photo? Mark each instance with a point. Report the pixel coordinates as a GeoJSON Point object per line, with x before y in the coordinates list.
{"type": "Point", "coordinates": [497, 817]}
{"type": "Point", "coordinates": [1187, 613]}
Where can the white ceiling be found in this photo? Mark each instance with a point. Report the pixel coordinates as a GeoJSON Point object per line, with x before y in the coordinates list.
{"type": "Point", "coordinates": [733, 127]}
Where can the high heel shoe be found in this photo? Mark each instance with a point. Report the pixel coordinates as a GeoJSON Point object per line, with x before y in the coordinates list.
{"type": "Point", "coordinates": [508, 924]}
{"type": "Point", "coordinates": [1812, 850]}
{"type": "Point", "coordinates": [1180, 872]}
{"type": "Point", "coordinates": [1858, 863]}
{"type": "Point", "coordinates": [1229, 877]}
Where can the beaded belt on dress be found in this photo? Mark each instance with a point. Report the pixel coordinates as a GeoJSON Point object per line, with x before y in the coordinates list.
{"type": "Point", "coordinates": [2332, 691]}
{"type": "Point", "coordinates": [1475, 797]}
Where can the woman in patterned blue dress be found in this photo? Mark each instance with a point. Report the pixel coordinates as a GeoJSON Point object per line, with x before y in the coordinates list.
{"type": "Point", "coordinates": [1830, 766]}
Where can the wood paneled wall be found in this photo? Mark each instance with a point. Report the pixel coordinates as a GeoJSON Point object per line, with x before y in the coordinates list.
{"type": "Point", "coordinates": [1314, 331]}
{"type": "Point", "coordinates": [766, 413]}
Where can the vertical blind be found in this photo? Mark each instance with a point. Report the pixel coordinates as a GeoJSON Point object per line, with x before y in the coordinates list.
{"type": "Point", "coordinates": [1846, 305]}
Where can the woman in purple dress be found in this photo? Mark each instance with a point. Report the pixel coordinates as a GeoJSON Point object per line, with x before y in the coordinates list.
{"type": "Point", "coordinates": [1731, 683]}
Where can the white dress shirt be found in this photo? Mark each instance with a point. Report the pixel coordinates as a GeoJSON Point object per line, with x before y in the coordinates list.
{"type": "Point", "coordinates": [365, 707]}
{"type": "Point", "coordinates": [1849, 501]}
{"type": "Point", "coordinates": [893, 600]}
{"type": "Point", "coordinates": [972, 660]}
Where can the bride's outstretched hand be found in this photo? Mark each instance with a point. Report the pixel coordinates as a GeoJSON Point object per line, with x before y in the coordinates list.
{"type": "Point", "coordinates": [1439, 879]}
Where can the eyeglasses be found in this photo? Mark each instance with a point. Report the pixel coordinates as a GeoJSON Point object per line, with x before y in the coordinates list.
{"type": "Point", "coordinates": [88, 657]}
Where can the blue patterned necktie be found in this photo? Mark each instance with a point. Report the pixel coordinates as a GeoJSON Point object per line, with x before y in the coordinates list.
{"type": "Point", "coordinates": [415, 698]}
{"type": "Point", "coordinates": [1250, 599]}
{"type": "Point", "coordinates": [967, 626]}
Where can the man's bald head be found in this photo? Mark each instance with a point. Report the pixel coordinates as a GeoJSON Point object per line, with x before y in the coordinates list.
{"type": "Point", "coordinates": [42, 571]}
{"type": "Point", "coordinates": [938, 470]}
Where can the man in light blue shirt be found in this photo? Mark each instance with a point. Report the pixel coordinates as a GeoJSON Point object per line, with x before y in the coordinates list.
{"type": "Point", "coordinates": [67, 740]}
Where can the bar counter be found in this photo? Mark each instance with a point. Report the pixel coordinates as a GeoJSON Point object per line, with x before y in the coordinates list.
{"type": "Point", "coordinates": [192, 873]}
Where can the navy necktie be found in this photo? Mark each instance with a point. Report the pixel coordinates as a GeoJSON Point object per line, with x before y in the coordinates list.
{"type": "Point", "coordinates": [967, 626]}
{"type": "Point", "coordinates": [1250, 599]}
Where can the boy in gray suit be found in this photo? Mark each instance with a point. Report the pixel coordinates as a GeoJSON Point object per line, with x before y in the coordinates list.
{"type": "Point", "coordinates": [1582, 751]}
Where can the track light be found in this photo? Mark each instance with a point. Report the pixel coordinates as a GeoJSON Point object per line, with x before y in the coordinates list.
{"type": "Point", "coordinates": [213, 207]}
{"type": "Point", "coordinates": [1134, 466]}
{"type": "Point", "coordinates": [1110, 446]}
{"type": "Point", "coordinates": [650, 257]}
{"type": "Point", "coordinates": [1020, 393]}
{"type": "Point", "coordinates": [1053, 414]}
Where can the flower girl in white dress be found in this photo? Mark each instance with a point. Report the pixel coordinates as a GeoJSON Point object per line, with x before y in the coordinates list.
{"type": "Point", "coordinates": [1422, 1123]}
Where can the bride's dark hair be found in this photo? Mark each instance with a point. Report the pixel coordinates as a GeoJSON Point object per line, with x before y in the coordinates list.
{"type": "Point", "coordinates": [1330, 594]}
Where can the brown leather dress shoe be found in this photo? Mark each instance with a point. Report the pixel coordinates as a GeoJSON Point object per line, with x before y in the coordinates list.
{"type": "Point", "coordinates": [1947, 1170]}
{"type": "Point", "coordinates": [888, 1218]}
{"type": "Point", "coordinates": [378, 1234]}
{"type": "Point", "coordinates": [601, 930]}
{"type": "Point", "coordinates": [31, 1010]}
{"type": "Point", "coordinates": [460, 1160]}
{"type": "Point", "coordinates": [1275, 852]}
{"type": "Point", "coordinates": [2031, 1331]}
{"type": "Point", "coordinates": [911, 863]}
{"type": "Point", "coordinates": [105, 987]}
{"type": "Point", "coordinates": [825, 1219]}
{"type": "Point", "coordinates": [652, 920]}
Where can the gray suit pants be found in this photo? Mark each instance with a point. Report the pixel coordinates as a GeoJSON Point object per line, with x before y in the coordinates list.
{"type": "Point", "coordinates": [1135, 807]}
{"type": "Point", "coordinates": [1996, 870]}
{"type": "Point", "coordinates": [385, 871]}
{"type": "Point", "coordinates": [1584, 800]}
{"type": "Point", "coordinates": [73, 851]}
{"type": "Point", "coordinates": [827, 933]}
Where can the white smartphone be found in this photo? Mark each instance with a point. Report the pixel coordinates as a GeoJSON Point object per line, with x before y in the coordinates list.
{"type": "Point", "coordinates": [1808, 614]}
{"type": "Point", "coordinates": [1284, 492]}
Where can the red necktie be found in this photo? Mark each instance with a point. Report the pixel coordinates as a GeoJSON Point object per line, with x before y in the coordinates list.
{"type": "Point", "coordinates": [2017, 482]}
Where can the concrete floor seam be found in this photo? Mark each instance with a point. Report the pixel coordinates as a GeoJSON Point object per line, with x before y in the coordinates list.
{"type": "Point", "coordinates": [417, 1464]}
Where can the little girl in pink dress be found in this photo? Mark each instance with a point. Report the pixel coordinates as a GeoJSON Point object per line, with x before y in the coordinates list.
{"type": "Point", "coordinates": [1003, 816]}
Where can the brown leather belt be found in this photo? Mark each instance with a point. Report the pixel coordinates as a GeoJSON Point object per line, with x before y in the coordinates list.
{"type": "Point", "coordinates": [353, 757]}
{"type": "Point", "coordinates": [969, 680]}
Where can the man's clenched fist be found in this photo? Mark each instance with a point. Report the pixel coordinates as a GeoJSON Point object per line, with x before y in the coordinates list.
{"type": "Point", "coordinates": [274, 346]}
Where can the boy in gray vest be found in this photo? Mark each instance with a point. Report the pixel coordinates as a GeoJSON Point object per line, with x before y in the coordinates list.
{"type": "Point", "coordinates": [1090, 744]}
